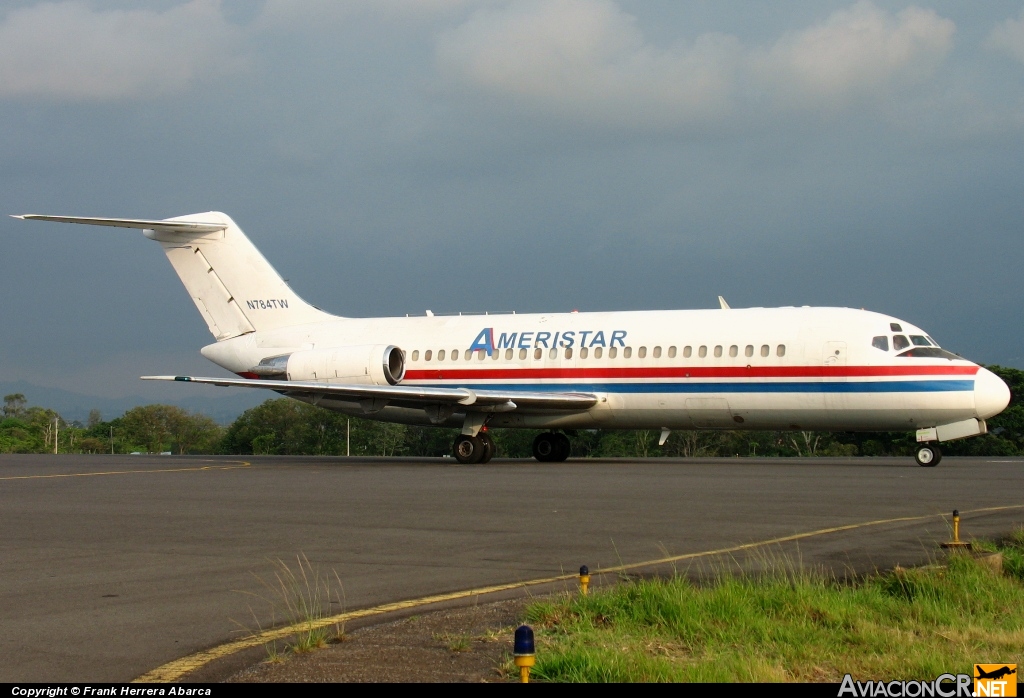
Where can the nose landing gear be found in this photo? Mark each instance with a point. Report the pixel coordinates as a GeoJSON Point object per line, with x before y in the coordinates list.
{"type": "Point", "coordinates": [928, 455]}
{"type": "Point", "coordinates": [551, 447]}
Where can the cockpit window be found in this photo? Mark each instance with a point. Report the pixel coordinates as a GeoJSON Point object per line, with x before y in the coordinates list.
{"type": "Point", "coordinates": [920, 341]}
{"type": "Point", "coordinates": [899, 342]}
{"type": "Point", "coordinates": [934, 343]}
{"type": "Point", "coordinates": [929, 353]}
{"type": "Point", "coordinates": [880, 343]}
{"type": "Point", "coordinates": [895, 327]}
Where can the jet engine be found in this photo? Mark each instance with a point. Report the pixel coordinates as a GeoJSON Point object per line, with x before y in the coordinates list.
{"type": "Point", "coordinates": [375, 364]}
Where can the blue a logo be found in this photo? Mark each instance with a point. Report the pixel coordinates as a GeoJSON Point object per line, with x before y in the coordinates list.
{"type": "Point", "coordinates": [484, 341]}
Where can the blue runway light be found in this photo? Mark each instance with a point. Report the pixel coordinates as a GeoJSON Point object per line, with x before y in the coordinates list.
{"type": "Point", "coordinates": [524, 641]}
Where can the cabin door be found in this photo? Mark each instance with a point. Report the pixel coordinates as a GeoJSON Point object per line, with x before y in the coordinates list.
{"type": "Point", "coordinates": [837, 398]}
{"type": "Point", "coordinates": [834, 353]}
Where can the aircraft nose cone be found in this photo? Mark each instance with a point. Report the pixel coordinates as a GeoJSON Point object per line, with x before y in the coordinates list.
{"type": "Point", "coordinates": [991, 396]}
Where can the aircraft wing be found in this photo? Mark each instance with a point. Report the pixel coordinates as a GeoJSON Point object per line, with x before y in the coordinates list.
{"type": "Point", "coordinates": [409, 395]}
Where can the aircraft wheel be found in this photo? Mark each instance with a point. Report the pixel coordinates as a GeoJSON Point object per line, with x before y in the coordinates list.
{"type": "Point", "coordinates": [468, 449]}
{"type": "Point", "coordinates": [562, 447]}
{"type": "Point", "coordinates": [928, 456]}
{"type": "Point", "coordinates": [490, 450]}
{"type": "Point", "coordinates": [545, 448]}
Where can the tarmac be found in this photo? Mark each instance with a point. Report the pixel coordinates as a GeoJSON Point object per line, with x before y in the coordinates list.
{"type": "Point", "coordinates": [115, 565]}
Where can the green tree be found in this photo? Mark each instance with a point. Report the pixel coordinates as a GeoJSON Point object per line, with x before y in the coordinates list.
{"type": "Point", "coordinates": [94, 418]}
{"type": "Point", "coordinates": [14, 406]}
{"type": "Point", "coordinates": [159, 428]}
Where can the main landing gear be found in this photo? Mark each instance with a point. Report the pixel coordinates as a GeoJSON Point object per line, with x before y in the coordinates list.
{"type": "Point", "coordinates": [551, 447]}
{"type": "Point", "coordinates": [928, 455]}
{"type": "Point", "coordinates": [474, 449]}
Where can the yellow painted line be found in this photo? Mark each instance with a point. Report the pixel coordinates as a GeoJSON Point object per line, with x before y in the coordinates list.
{"type": "Point", "coordinates": [794, 537]}
{"type": "Point", "coordinates": [173, 671]}
{"type": "Point", "coordinates": [239, 464]}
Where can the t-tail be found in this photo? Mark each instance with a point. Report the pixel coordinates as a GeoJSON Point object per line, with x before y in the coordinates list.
{"type": "Point", "coordinates": [232, 284]}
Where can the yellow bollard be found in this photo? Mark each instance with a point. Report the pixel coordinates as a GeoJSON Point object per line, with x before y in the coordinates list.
{"type": "Point", "coordinates": [956, 542]}
{"type": "Point", "coordinates": [584, 579]}
{"type": "Point", "coordinates": [524, 664]}
{"type": "Point", "coordinates": [523, 651]}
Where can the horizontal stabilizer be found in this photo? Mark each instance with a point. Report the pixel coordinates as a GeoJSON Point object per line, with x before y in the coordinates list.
{"type": "Point", "coordinates": [408, 395]}
{"type": "Point", "coordinates": [169, 226]}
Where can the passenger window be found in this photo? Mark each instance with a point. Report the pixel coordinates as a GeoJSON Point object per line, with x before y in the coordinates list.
{"type": "Point", "coordinates": [583, 352]}
{"type": "Point", "coordinates": [568, 352]}
{"type": "Point", "coordinates": [657, 352]}
{"type": "Point", "coordinates": [496, 354]}
{"type": "Point", "coordinates": [508, 355]}
{"type": "Point", "coordinates": [455, 354]}
{"type": "Point", "coordinates": [671, 352]}
{"type": "Point", "coordinates": [880, 343]}
{"type": "Point", "coordinates": [627, 352]}
{"type": "Point", "coordinates": [426, 355]}
{"type": "Point", "coordinates": [553, 354]}
{"type": "Point", "coordinates": [642, 353]}
{"type": "Point", "coordinates": [734, 351]}
{"type": "Point", "coordinates": [702, 352]}
{"type": "Point", "coordinates": [899, 342]}
{"type": "Point", "coordinates": [612, 352]}
{"type": "Point", "coordinates": [919, 341]}
{"type": "Point", "coordinates": [718, 351]}
{"type": "Point", "coordinates": [440, 355]}
{"type": "Point", "coordinates": [687, 352]}
{"type": "Point", "coordinates": [765, 350]}
{"type": "Point", "coordinates": [780, 350]}
{"type": "Point", "coordinates": [895, 327]}
{"type": "Point", "coordinates": [597, 352]}
{"type": "Point", "coordinates": [469, 354]}
{"type": "Point", "coordinates": [749, 351]}
{"type": "Point", "coordinates": [522, 355]}
{"type": "Point", "coordinates": [415, 354]}
{"type": "Point", "coordinates": [480, 354]}
{"type": "Point", "coordinates": [538, 353]}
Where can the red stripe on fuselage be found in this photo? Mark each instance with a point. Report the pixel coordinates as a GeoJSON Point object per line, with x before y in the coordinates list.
{"type": "Point", "coordinates": [689, 372]}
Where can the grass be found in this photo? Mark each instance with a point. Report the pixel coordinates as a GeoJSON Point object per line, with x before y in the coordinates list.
{"type": "Point", "coordinates": [454, 642]}
{"type": "Point", "coordinates": [789, 624]}
{"type": "Point", "coordinates": [299, 597]}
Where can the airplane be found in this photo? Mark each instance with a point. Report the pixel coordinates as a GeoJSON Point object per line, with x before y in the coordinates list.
{"type": "Point", "coordinates": [994, 674]}
{"type": "Point", "coordinates": [791, 368]}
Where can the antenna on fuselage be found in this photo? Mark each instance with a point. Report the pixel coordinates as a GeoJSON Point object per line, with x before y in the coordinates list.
{"type": "Point", "coordinates": [721, 302]}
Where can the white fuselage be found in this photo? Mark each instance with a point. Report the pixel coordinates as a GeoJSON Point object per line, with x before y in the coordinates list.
{"type": "Point", "coordinates": [756, 368]}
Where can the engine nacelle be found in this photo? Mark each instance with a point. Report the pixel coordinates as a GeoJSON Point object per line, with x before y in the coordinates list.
{"type": "Point", "coordinates": [367, 364]}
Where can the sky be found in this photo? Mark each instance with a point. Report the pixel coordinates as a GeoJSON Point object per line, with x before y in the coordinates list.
{"type": "Point", "coordinates": [389, 156]}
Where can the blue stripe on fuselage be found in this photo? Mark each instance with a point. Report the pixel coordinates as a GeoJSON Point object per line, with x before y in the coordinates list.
{"type": "Point", "coordinates": [937, 386]}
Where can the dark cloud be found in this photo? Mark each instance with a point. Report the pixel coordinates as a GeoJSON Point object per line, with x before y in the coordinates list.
{"type": "Point", "coordinates": [381, 177]}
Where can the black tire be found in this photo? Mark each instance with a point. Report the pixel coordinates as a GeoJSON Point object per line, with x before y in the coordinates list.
{"type": "Point", "coordinates": [928, 456]}
{"type": "Point", "coordinates": [490, 450]}
{"type": "Point", "coordinates": [545, 448]}
{"type": "Point", "coordinates": [562, 447]}
{"type": "Point", "coordinates": [468, 449]}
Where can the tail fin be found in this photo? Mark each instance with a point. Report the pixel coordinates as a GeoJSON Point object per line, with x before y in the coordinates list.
{"type": "Point", "coordinates": [232, 284]}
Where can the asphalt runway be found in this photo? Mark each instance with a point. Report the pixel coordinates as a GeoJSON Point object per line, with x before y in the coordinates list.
{"type": "Point", "coordinates": [113, 565]}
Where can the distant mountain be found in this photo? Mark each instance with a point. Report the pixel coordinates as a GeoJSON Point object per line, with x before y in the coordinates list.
{"type": "Point", "coordinates": [74, 406]}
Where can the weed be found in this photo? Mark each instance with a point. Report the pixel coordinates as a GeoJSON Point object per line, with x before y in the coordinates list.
{"type": "Point", "coordinates": [454, 642]}
{"type": "Point", "coordinates": [300, 597]}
